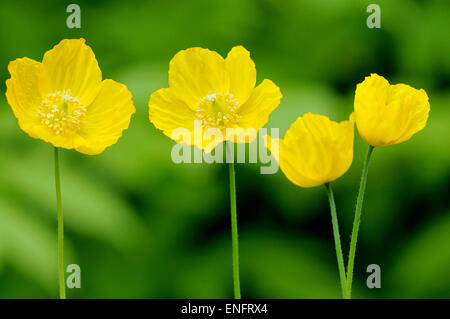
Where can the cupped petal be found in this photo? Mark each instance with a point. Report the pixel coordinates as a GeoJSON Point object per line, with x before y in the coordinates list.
{"type": "Point", "coordinates": [71, 65]}
{"type": "Point", "coordinates": [370, 109]}
{"type": "Point", "coordinates": [196, 73]}
{"type": "Point", "coordinates": [316, 150]}
{"type": "Point", "coordinates": [107, 117]}
{"type": "Point", "coordinates": [263, 100]}
{"type": "Point", "coordinates": [389, 114]}
{"type": "Point", "coordinates": [412, 107]}
{"type": "Point", "coordinates": [288, 159]}
{"type": "Point", "coordinates": [342, 145]}
{"type": "Point", "coordinates": [289, 167]}
{"type": "Point", "coordinates": [22, 93]}
{"type": "Point", "coordinates": [332, 144]}
{"type": "Point", "coordinates": [242, 73]}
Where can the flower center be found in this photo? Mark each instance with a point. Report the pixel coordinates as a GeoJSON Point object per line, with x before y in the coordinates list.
{"type": "Point", "coordinates": [62, 112]}
{"type": "Point", "coordinates": [218, 110]}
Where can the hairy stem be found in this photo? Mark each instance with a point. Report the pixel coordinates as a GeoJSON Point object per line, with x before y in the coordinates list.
{"type": "Point", "coordinates": [356, 222]}
{"type": "Point", "coordinates": [234, 230]}
{"type": "Point", "coordinates": [62, 286]}
{"type": "Point", "coordinates": [337, 240]}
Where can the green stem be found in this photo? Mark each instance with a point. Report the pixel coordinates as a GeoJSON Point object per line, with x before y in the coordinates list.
{"type": "Point", "coordinates": [337, 240]}
{"type": "Point", "coordinates": [62, 286]}
{"type": "Point", "coordinates": [234, 231]}
{"type": "Point", "coordinates": [356, 222]}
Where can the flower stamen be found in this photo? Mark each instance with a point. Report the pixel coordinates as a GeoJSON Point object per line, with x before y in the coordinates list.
{"type": "Point", "coordinates": [218, 110]}
{"type": "Point", "coordinates": [62, 112]}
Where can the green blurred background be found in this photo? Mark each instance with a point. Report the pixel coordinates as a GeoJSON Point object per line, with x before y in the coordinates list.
{"type": "Point", "coordinates": [141, 226]}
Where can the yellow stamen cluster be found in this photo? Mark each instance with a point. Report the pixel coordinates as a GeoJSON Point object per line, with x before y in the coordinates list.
{"type": "Point", "coordinates": [218, 110]}
{"type": "Point", "coordinates": [62, 112]}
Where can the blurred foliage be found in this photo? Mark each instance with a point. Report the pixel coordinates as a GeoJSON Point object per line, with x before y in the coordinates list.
{"type": "Point", "coordinates": [141, 226]}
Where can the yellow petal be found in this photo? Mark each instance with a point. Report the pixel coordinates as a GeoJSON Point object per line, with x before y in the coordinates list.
{"type": "Point", "coordinates": [195, 73]}
{"type": "Point", "coordinates": [67, 141]}
{"type": "Point", "coordinates": [288, 162]}
{"type": "Point", "coordinates": [316, 150]}
{"type": "Point", "coordinates": [264, 99]}
{"type": "Point", "coordinates": [71, 65]}
{"type": "Point", "coordinates": [241, 135]}
{"type": "Point", "coordinates": [219, 92]}
{"type": "Point", "coordinates": [167, 112]}
{"type": "Point", "coordinates": [289, 167]}
{"type": "Point", "coordinates": [106, 119]}
{"type": "Point", "coordinates": [242, 73]}
{"type": "Point", "coordinates": [410, 109]}
{"type": "Point", "coordinates": [389, 114]}
{"type": "Point", "coordinates": [177, 121]}
{"type": "Point", "coordinates": [22, 93]}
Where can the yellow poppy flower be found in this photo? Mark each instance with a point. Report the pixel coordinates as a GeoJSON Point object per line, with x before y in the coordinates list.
{"type": "Point", "coordinates": [314, 150]}
{"type": "Point", "coordinates": [63, 100]}
{"type": "Point", "coordinates": [388, 114]}
{"type": "Point", "coordinates": [219, 92]}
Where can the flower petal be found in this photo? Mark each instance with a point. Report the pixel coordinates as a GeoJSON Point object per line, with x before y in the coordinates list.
{"type": "Point", "coordinates": [195, 73]}
{"type": "Point", "coordinates": [177, 121]}
{"type": "Point", "coordinates": [290, 169]}
{"type": "Point", "coordinates": [389, 114]}
{"type": "Point", "coordinates": [168, 113]}
{"type": "Point", "coordinates": [286, 158]}
{"type": "Point", "coordinates": [67, 141]}
{"type": "Point", "coordinates": [242, 73]}
{"type": "Point", "coordinates": [22, 93]}
{"type": "Point", "coordinates": [316, 150]}
{"type": "Point", "coordinates": [107, 117]}
{"type": "Point", "coordinates": [71, 65]}
{"type": "Point", "coordinates": [264, 99]}
{"type": "Point", "coordinates": [413, 109]}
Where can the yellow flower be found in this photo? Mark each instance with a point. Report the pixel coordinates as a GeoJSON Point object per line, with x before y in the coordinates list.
{"type": "Point", "coordinates": [219, 92]}
{"type": "Point", "coordinates": [315, 150]}
{"type": "Point", "coordinates": [388, 114]}
{"type": "Point", "coordinates": [63, 100]}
